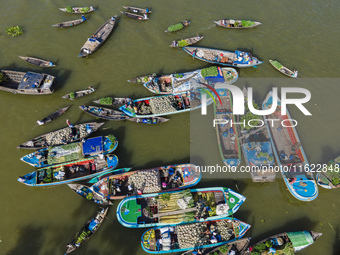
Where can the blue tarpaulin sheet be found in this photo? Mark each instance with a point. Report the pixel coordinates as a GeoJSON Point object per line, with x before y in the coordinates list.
{"type": "Point", "coordinates": [93, 146]}
{"type": "Point", "coordinates": [215, 79]}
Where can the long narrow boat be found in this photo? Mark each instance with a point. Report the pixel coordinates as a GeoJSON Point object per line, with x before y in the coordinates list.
{"type": "Point", "coordinates": [103, 113]}
{"type": "Point", "coordinates": [70, 23]}
{"type": "Point", "coordinates": [237, 247]}
{"type": "Point", "coordinates": [98, 38]}
{"type": "Point", "coordinates": [151, 120]}
{"type": "Point", "coordinates": [159, 179]}
{"type": "Point", "coordinates": [37, 61]}
{"type": "Point", "coordinates": [87, 231]}
{"type": "Point", "coordinates": [72, 171]}
{"type": "Point", "coordinates": [181, 82]}
{"type": "Point", "coordinates": [79, 93]}
{"type": "Point", "coordinates": [256, 146]}
{"type": "Point", "coordinates": [189, 236]}
{"type": "Point", "coordinates": [112, 101]}
{"type": "Point", "coordinates": [330, 178]}
{"type": "Point", "coordinates": [284, 243]}
{"type": "Point", "coordinates": [83, 10]}
{"type": "Point", "coordinates": [135, 16]}
{"type": "Point", "coordinates": [62, 136]}
{"type": "Point", "coordinates": [223, 57]}
{"type": "Point", "coordinates": [137, 10]}
{"type": "Point", "coordinates": [187, 41]}
{"type": "Point", "coordinates": [143, 79]}
{"type": "Point", "coordinates": [232, 23]}
{"type": "Point", "coordinates": [227, 134]}
{"type": "Point", "coordinates": [52, 116]}
{"type": "Point", "coordinates": [177, 27]}
{"type": "Point", "coordinates": [160, 209]}
{"type": "Point", "coordinates": [289, 154]}
{"type": "Point", "coordinates": [28, 83]}
{"type": "Point", "coordinates": [282, 69]}
{"type": "Point", "coordinates": [88, 147]}
{"type": "Point", "coordinates": [164, 105]}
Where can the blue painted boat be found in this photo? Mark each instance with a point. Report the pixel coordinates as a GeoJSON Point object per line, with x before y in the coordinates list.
{"type": "Point", "coordinates": [72, 171]}
{"type": "Point", "coordinates": [70, 152]}
{"type": "Point", "coordinates": [153, 180]}
{"type": "Point", "coordinates": [161, 209]}
{"type": "Point", "coordinates": [223, 57]}
{"type": "Point", "coordinates": [164, 105]}
{"type": "Point", "coordinates": [289, 154]}
{"type": "Point", "coordinates": [190, 236]}
{"type": "Point", "coordinates": [180, 82]}
{"type": "Point", "coordinates": [330, 178]}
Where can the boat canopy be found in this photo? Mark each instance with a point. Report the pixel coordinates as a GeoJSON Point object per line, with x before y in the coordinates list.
{"type": "Point", "coordinates": [93, 146]}
{"type": "Point", "coordinates": [31, 81]}
{"type": "Point", "coordinates": [300, 238]}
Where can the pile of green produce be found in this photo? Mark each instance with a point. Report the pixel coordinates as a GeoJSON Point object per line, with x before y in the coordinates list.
{"type": "Point", "coordinates": [333, 173]}
{"type": "Point", "coordinates": [77, 154]}
{"type": "Point", "coordinates": [278, 65]}
{"type": "Point", "coordinates": [182, 43]}
{"type": "Point", "coordinates": [176, 27]}
{"type": "Point", "coordinates": [2, 77]}
{"type": "Point", "coordinates": [69, 9]}
{"type": "Point", "coordinates": [14, 31]}
{"type": "Point", "coordinates": [85, 9]}
{"type": "Point", "coordinates": [106, 100]}
{"type": "Point", "coordinates": [250, 116]}
{"type": "Point", "coordinates": [247, 23]}
{"type": "Point", "coordinates": [210, 71]}
{"type": "Point", "coordinates": [72, 95]}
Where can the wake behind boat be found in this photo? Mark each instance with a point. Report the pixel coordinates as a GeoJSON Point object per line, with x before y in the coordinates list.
{"type": "Point", "coordinates": [284, 243]}
{"type": "Point", "coordinates": [199, 235]}
{"type": "Point", "coordinates": [181, 82]}
{"type": "Point", "coordinates": [98, 38]}
{"type": "Point", "coordinates": [161, 209]}
{"type": "Point", "coordinates": [223, 57]}
{"type": "Point", "coordinates": [72, 171]}
{"type": "Point", "coordinates": [289, 154]}
{"type": "Point", "coordinates": [74, 151]}
{"type": "Point", "coordinates": [62, 136]}
{"type": "Point", "coordinates": [153, 180]}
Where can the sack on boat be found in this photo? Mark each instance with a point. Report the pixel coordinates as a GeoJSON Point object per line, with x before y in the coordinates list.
{"type": "Point", "coordinates": [222, 209]}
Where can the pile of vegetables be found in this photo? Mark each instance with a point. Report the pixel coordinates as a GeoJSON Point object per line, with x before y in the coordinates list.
{"type": "Point", "coordinates": [224, 249]}
{"type": "Point", "coordinates": [2, 77]}
{"type": "Point", "coordinates": [210, 71]}
{"type": "Point", "coordinates": [182, 43]}
{"type": "Point", "coordinates": [72, 95]}
{"type": "Point", "coordinates": [176, 27]}
{"type": "Point", "coordinates": [14, 31]}
{"type": "Point", "coordinates": [247, 23]}
{"type": "Point", "coordinates": [83, 236]}
{"type": "Point", "coordinates": [333, 173]}
{"type": "Point", "coordinates": [69, 9]}
{"type": "Point", "coordinates": [278, 65]}
{"type": "Point", "coordinates": [85, 9]}
{"type": "Point", "coordinates": [147, 236]}
{"type": "Point", "coordinates": [69, 157]}
{"type": "Point", "coordinates": [250, 116]}
{"type": "Point", "coordinates": [106, 100]}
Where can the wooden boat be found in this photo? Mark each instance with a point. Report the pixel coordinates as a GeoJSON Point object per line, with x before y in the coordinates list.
{"type": "Point", "coordinates": [330, 179]}
{"type": "Point", "coordinates": [181, 82]}
{"type": "Point", "coordinates": [282, 69]}
{"type": "Point", "coordinates": [284, 243]}
{"type": "Point", "coordinates": [98, 38]}
{"type": "Point", "coordinates": [227, 134]}
{"type": "Point", "coordinates": [232, 23]}
{"type": "Point", "coordinates": [52, 116]}
{"type": "Point", "coordinates": [142, 181]}
{"type": "Point", "coordinates": [223, 57]}
{"type": "Point", "coordinates": [79, 93]}
{"type": "Point", "coordinates": [87, 231]}
{"type": "Point", "coordinates": [190, 236]}
{"type": "Point", "coordinates": [103, 113]}
{"type": "Point", "coordinates": [151, 120]}
{"type": "Point", "coordinates": [177, 27]}
{"type": "Point", "coordinates": [186, 42]}
{"type": "Point", "coordinates": [83, 10]}
{"type": "Point", "coordinates": [289, 153]}
{"type": "Point", "coordinates": [88, 147]}
{"type": "Point", "coordinates": [143, 79]}
{"type": "Point", "coordinates": [137, 10]}
{"type": "Point", "coordinates": [28, 83]}
{"type": "Point", "coordinates": [237, 247]}
{"type": "Point", "coordinates": [135, 16]}
{"type": "Point", "coordinates": [62, 136]}
{"type": "Point", "coordinates": [256, 146]}
{"type": "Point", "coordinates": [90, 194]}
{"type": "Point", "coordinates": [71, 171]}
{"type": "Point", "coordinates": [164, 105]}
{"type": "Point", "coordinates": [37, 61]}
{"type": "Point", "coordinates": [161, 209]}
{"type": "Point", "coordinates": [70, 23]}
{"type": "Point", "coordinates": [112, 101]}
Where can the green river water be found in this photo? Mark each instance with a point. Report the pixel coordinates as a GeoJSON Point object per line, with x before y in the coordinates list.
{"type": "Point", "coordinates": [301, 34]}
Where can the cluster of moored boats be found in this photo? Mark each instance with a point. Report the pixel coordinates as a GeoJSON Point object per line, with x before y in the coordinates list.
{"type": "Point", "coordinates": [192, 221]}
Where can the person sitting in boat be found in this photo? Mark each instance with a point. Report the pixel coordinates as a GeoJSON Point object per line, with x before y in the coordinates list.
{"type": "Point", "coordinates": [174, 43]}
{"type": "Point", "coordinates": [145, 16]}
{"type": "Point", "coordinates": [147, 10]}
{"type": "Point", "coordinates": [186, 22]}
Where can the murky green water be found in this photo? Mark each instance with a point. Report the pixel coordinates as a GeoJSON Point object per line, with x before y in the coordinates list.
{"type": "Point", "coordinates": [301, 34]}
